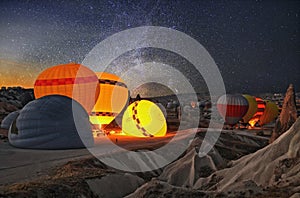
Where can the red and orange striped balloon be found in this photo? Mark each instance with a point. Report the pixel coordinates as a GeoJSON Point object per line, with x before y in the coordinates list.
{"type": "Point", "coordinates": [261, 105]}
{"type": "Point", "coordinates": [72, 80]}
{"type": "Point", "coordinates": [232, 108]}
{"type": "Point", "coordinates": [267, 111]}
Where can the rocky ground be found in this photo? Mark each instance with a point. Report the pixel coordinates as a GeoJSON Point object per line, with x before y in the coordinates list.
{"type": "Point", "coordinates": [240, 164]}
{"type": "Point", "coordinates": [12, 99]}
{"type": "Point", "coordinates": [91, 178]}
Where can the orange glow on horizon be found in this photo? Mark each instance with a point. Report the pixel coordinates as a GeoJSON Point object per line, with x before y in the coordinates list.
{"type": "Point", "coordinates": [14, 74]}
{"type": "Point", "coordinates": [8, 84]}
{"type": "Point", "coordinates": [16, 80]}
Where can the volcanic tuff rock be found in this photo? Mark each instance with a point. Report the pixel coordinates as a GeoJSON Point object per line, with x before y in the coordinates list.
{"type": "Point", "coordinates": [114, 185]}
{"type": "Point", "coordinates": [275, 166]}
{"type": "Point", "coordinates": [160, 189]}
{"type": "Point", "coordinates": [287, 116]}
{"type": "Point", "coordinates": [188, 169]}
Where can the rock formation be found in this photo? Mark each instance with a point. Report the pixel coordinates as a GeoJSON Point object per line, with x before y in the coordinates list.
{"type": "Point", "coordinates": [159, 189]}
{"type": "Point", "coordinates": [114, 185]}
{"type": "Point", "coordinates": [13, 98]}
{"type": "Point", "coordinates": [275, 166]}
{"type": "Point", "coordinates": [287, 116]}
{"type": "Point", "coordinates": [188, 169]}
{"type": "Point", "coordinates": [185, 171]}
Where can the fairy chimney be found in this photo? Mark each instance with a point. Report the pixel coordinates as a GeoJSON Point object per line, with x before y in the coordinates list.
{"type": "Point", "coordinates": [287, 116]}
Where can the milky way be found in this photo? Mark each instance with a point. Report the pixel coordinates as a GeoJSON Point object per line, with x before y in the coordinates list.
{"type": "Point", "coordinates": [256, 44]}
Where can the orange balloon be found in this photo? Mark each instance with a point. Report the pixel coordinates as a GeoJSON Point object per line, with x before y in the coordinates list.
{"type": "Point", "coordinates": [112, 98]}
{"type": "Point", "coordinates": [72, 80]}
{"type": "Point", "coordinates": [261, 105]}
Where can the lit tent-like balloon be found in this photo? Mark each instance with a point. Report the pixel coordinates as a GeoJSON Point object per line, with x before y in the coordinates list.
{"type": "Point", "coordinates": [51, 122]}
{"type": "Point", "coordinates": [232, 108]}
{"type": "Point", "coordinates": [72, 80]}
{"type": "Point", "coordinates": [144, 119]}
{"type": "Point", "coordinates": [271, 112]}
{"type": "Point", "coordinates": [112, 99]}
{"type": "Point", "coordinates": [261, 105]}
{"type": "Point", "coordinates": [251, 110]}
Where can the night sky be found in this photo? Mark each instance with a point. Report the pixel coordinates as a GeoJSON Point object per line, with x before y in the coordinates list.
{"type": "Point", "coordinates": [256, 44]}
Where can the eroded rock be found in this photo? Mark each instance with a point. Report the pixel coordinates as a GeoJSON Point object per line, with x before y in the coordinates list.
{"type": "Point", "coordinates": [115, 185]}
{"type": "Point", "coordinates": [287, 116]}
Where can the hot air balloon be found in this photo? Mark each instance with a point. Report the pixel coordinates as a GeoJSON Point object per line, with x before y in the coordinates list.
{"type": "Point", "coordinates": [112, 99]}
{"type": "Point", "coordinates": [261, 105]}
{"type": "Point", "coordinates": [72, 80]}
{"type": "Point", "coordinates": [144, 119]}
{"type": "Point", "coordinates": [252, 108]}
{"type": "Point", "coordinates": [232, 108]}
{"type": "Point", "coordinates": [270, 113]}
{"type": "Point", "coordinates": [8, 120]}
{"type": "Point", "coordinates": [266, 113]}
{"type": "Point", "coordinates": [51, 122]}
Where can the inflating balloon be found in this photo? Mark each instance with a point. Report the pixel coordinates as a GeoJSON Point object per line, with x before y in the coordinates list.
{"type": "Point", "coordinates": [8, 120]}
{"type": "Point", "coordinates": [232, 108]}
{"type": "Point", "coordinates": [112, 98]}
{"type": "Point", "coordinates": [270, 113]}
{"type": "Point", "coordinates": [72, 80]}
{"type": "Point", "coordinates": [252, 108]}
{"type": "Point", "coordinates": [51, 122]}
{"type": "Point", "coordinates": [261, 105]}
{"type": "Point", "coordinates": [144, 119]}
{"type": "Point", "coordinates": [267, 111]}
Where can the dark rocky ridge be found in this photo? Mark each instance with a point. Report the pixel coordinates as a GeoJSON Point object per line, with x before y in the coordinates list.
{"type": "Point", "coordinates": [14, 98]}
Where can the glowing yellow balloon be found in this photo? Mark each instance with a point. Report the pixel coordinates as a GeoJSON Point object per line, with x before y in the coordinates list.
{"type": "Point", "coordinates": [112, 98]}
{"type": "Point", "coordinates": [144, 119]}
{"type": "Point", "coordinates": [252, 108]}
{"type": "Point", "coordinates": [271, 112]}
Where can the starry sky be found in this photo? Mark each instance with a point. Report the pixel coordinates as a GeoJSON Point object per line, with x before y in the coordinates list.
{"type": "Point", "coordinates": [256, 44]}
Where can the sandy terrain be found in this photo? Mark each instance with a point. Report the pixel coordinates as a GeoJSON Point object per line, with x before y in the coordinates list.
{"type": "Point", "coordinates": [19, 165]}
{"type": "Point", "coordinates": [26, 172]}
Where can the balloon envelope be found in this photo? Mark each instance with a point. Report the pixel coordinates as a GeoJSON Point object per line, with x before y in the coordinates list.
{"type": "Point", "coordinates": [8, 120]}
{"type": "Point", "coordinates": [72, 80]}
{"type": "Point", "coordinates": [252, 108]}
{"type": "Point", "coordinates": [51, 122]}
{"type": "Point", "coordinates": [232, 108]}
{"type": "Point", "coordinates": [144, 119]}
{"type": "Point", "coordinates": [261, 105]}
{"type": "Point", "coordinates": [271, 112]}
{"type": "Point", "coordinates": [112, 98]}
